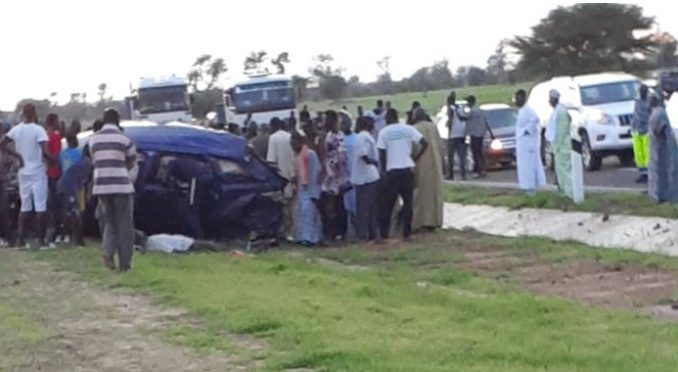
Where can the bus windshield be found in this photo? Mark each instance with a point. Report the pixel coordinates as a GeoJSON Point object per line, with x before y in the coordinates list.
{"type": "Point", "coordinates": [163, 99]}
{"type": "Point", "coordinates": [261, 97]}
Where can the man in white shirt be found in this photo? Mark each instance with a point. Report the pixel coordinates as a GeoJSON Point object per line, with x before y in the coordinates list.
{"type": "Point", "coordinates": [365, 179]}
{"type": "Point", "coordinates": [530, 170]}
{"type": "Point", "coordinates": [395, 153]}
{"type": "Point", "coordinates": [456, 143]}
{"type": "Point", "coordinates": [30, 142]}
{"type": "Point", "coordinates": [281, 155]}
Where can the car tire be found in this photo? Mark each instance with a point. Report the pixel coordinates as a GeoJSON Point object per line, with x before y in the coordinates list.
{"type": "Point", "coordinates": [591, 159]}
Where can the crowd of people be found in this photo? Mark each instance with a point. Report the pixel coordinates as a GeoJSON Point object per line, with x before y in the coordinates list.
{"type": "Point", "coordinates": [53, 183]}
{"type": "Point", "coordinates": [654, 146]}
{"type": "Point", "coordinates": [348, 179]}
{"type": "Point", "coordinates": [347, 176]}
{"type": "Point", "coordinates": [47, 184]}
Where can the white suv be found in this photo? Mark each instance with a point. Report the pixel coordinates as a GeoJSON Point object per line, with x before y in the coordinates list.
{"type": "Point", "coordinates": [601, 107]}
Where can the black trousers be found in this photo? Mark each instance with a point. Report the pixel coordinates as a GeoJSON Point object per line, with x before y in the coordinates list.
{"type": "Point", "coordinates": [456, 146]}
{"type": "Point", "coordinates": [334, 216]}
{"type": "Point", "coordinates": [367, 197]}
{"type": "Point", "coordinates": [478, 155]}
{"type": "Point", "coordinates": [397, 182]}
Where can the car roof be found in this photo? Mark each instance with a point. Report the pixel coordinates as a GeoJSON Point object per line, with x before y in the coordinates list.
{"type": "Point", "coordinates": [181, 138]}
{"type": "Point", "coordinates": [594, 79]}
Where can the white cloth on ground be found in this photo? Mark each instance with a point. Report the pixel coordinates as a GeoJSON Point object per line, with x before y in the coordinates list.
{"type": "Point", "coordinates": [169, 243]}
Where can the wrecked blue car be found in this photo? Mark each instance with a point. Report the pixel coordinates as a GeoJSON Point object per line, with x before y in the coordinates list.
{"type": "Point", "coordinates": [200, 183]}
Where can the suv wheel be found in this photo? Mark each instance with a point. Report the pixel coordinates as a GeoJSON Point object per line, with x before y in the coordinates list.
{"type": "Point", "coordinates": [592, 161]}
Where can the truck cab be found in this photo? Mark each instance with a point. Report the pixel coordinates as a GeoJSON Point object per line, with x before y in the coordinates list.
{"type": "Point", "coordinates": [162, 100]}
{"type": "Point", "coordinates": [264, 97]}
{"type": "Point", "coordinates": [601, 107]}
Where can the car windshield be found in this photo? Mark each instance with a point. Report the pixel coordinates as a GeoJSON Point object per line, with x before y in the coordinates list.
{"type": "Point", "coordinates": [609, 93]}
{"type": "Point", "coordinates": [163, 99]}
{"type": "Point", "coordinates": [263, 97]}
{"type": "Point", "coordinates": [501, 118]}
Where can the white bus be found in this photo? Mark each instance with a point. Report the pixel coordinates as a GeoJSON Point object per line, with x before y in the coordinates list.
{"type": "Point", "coordinates": [162, 100]}
{"type": "Point", "coordinates": [263, 97]}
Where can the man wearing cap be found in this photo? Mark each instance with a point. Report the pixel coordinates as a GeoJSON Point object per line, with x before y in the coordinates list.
{"type": "Point", "coordinates": [558, 135]}
{"type": "Point", "coordinates": [476, 126]}
{"type": "Point", "coordinates": [113, 157]}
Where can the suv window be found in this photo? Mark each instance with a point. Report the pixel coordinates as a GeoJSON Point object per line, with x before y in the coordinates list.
{"type": "Point", "coordinates": [609, 93]}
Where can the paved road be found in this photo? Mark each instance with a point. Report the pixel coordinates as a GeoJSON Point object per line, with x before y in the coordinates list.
{"type": "Point", "coordinates": [611, 176]}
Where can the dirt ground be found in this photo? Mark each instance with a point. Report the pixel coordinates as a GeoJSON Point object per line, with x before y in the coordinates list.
{"type": "Point", "coordinates": [649, 290]}
{"type": "Point", "coordinates": [86, 328]}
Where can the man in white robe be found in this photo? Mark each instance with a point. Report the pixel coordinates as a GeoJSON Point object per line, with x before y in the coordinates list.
{"type": "Point", "coordinates": [531, 175]}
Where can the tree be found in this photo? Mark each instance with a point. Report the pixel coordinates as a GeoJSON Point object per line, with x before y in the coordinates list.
{"type": "Point", "coordinates": [206, 72]}
{"type": "Point", "coordinates": [384, 80]}
{"type": "Point", "coordinates": [102, 92]}
{"type": "Point", "coordinates": [279, 62]}
{"type": "Point", "coordinates": [441, 76]}
{"type": "Point", "coordinates": [664, 54]}
{"type": "Point", "coordinates": [300, 86]}
{"type": "Point", "coordinates": [584, 38]}
{"type": "Point", "coordinates": [498, 64]}
{"type": "Point", "coordinates": [475, 76]}
{"type": "Point", "coordinates": [254, 63]}
{"type": "Point", "coordinates": [331, 84]}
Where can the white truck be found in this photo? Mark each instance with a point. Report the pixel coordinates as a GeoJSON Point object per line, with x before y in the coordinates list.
{"type": "Point", "coordinates": [161, 100]}
{"type": "Point", "coordinates": [601, 107]}
{"type": "Point", "coordinates": [264, 97]}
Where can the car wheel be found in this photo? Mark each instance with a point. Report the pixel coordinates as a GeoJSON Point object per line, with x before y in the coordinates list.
{"type": "Point", "coordinates": [592, 161]}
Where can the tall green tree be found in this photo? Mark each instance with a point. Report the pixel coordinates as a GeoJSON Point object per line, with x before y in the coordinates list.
{"type": "Point", "coordinates": [585, 38]}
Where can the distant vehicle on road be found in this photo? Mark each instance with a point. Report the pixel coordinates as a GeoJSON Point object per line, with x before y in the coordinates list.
{"type": "Point", "coordinates": [601, 107]}
{"type": "Point", "coordinates": [502, 120]}
{"type": "Point", "coordinates": [161, 100]}
{"type": "Point", "coordinates": [264, 97]}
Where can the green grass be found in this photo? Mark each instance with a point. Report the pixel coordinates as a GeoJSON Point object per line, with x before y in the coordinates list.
{"type": "Point", "coordinates": [626, 203]}
{"type": "Point", "coordinates": [431, 101]}
{"type": "Point", "coordinates": [412, 309]}
{"type": "Point", "coordinates": [19, 330]}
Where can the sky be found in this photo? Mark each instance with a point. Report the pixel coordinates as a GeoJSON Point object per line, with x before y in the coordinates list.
{"type": "Point", "coordinates": [74, 45]}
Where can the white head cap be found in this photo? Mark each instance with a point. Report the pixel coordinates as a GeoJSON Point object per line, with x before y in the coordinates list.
{"type": "Point", "coordinates": [554, 94]}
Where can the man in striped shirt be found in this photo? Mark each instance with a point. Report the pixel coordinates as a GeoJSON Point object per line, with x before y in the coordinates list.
{"type": "Point", "coordinates": [113, 156]}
